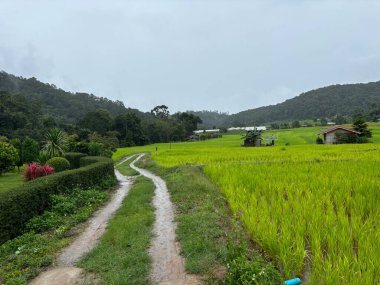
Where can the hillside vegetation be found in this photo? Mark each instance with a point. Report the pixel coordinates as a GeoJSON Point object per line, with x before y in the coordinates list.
{"type": "Point", "coordinates": [30, 108]}
{"type": "Point", "coordinates": [326, 102]}
{"type": "Point", "coordinates": [66, 107]}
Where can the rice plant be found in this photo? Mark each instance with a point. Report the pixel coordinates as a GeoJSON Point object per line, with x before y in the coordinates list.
{"type": "Point", "coordinates": [312, 208]}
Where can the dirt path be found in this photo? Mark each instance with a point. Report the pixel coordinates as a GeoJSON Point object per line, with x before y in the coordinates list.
{"type": "Point", "coordinates": [65, 273]}
{"type": "Point", "coordinates": [168, 264]}
{"type": "Point", "coordinates": [96, 225]}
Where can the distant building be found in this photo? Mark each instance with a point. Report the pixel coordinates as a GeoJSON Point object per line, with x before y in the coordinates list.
{"type": "Point", "coordinates": [213, 131]}
{"type": "Point", "coordinates": [207, 131]}
{"type": "Point", "coordinates": [234, 129]}
{"type": "Point", "coordinates": [259, 128]}
{"type": "Point", "coordinates": [331, 123]}
{"type": "Point", "coordinates": [331, 135]}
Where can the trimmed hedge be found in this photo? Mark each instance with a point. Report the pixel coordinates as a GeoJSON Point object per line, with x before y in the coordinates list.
{"type": "Point", "coordinates": [59, 163]}
{"type": "Point", "coordinates": [18, 205]}
{"type": "Point", "coordinates": [74, 158]}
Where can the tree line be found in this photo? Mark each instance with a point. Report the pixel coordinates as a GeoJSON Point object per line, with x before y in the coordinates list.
{"type": "Point", "coordinates": [97, 132]}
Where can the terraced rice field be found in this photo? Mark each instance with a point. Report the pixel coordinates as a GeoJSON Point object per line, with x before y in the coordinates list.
{"type": "Point", "coordinates": [313, 208]}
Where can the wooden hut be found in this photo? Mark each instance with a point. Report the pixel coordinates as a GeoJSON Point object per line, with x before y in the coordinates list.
{"type": "Point", "coordinates": [336, 133]}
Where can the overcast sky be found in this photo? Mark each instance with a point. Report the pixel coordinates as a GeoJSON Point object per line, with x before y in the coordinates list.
{"type": "Point", "coordinates": [186, 54]}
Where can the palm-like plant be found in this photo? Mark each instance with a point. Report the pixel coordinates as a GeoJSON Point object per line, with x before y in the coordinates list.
{"type": "Point", "coordinates": [55, 142]}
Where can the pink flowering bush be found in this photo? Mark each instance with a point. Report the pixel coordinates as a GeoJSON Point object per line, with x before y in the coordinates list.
{"type": "Point", "coordinates": [35, 170]}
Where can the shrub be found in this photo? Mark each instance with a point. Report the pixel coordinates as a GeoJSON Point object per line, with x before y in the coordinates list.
{"type": "Point", "coordinates": [244, 271]}
{"type": "Point", "coordinates": [362, 140]}
{"type": "Point", "coordinates": [361, 126]}
{"type": "Point", "coordinates": [8, 157]}
{"type": "Point", "coordinates": [59, 163]}
{"type": "Point", "coordinates": [244, 265]}
{"type": "Point", "coordinates": [81, 147]}
{"type": "Point", "coordinates": [95, 148]}
{"type": "Point", "coordinates": [74, 158]}
{"type": "Point", "coordinates": [107, 153]}
{"type": "Point", "coordinates": [20, 204]}
{"type": "Point", "coordinates": [319, 140]}
{"type": "Point", "coordinates": [35, 170]}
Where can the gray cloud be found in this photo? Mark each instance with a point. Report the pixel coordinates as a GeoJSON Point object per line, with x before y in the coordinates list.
{"type": "Point", "coordinates": [225, 55]}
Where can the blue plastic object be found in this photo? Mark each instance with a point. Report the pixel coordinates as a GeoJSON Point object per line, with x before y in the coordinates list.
{"type": "Point", "coordinates": [295, 281]}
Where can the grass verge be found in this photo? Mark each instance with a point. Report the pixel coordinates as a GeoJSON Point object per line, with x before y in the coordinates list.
{"type": "Point", "coordinates": [125, 169]}
{"type": "Point", "coordinates": [25, 256]}
{"type": "Point", "coordinates": [122, 254]}
{"type": "Point", "coordinates": [213, 242]}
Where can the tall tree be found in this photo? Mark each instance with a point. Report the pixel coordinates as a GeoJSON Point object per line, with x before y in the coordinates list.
{"type": "Point", "coordinates": [8, 157]}
{"type": "Point", "coordinates": [189, 121]}
{"type": "Point", "coordinates": [160, 112]}
{"type": "Point", "coordinates": [27, 149]}
{"type": "Point", "coordinates": [361, 126]}
{"type": "Point", "coordinates": [17, 144]}
{"type": "Point", "coordinates": [129, 128]}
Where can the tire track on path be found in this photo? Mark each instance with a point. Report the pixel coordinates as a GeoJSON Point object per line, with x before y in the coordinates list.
{"type": "Point", "coordinates": [168, 266]}
{"type": "Point", "coordinates": [65, 272]}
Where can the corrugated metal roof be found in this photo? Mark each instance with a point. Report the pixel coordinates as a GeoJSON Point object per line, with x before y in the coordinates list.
{"type": "Point", "coordinates": [337, 128]}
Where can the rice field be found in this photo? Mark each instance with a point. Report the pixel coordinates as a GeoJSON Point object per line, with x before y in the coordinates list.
{"type": "Point", "coordinates": [313, 208]}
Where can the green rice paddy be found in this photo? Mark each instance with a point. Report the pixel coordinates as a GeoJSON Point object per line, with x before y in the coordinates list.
{"type": "Point", "coordinates": [312, 208]}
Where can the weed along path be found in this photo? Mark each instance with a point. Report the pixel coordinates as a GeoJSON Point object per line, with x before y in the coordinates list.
{"type": "Point", "coordinates": [96, 226]}
{"type": "Point", "coordinates": [65, 272]}
{"type": "Point", "coordinates": [168, 266]}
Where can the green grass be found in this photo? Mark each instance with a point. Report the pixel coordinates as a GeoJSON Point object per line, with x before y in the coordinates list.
{"type": "Point", "coordinates": [125, 169]}
{"type": "Point", "coordinates": [122, 254]}
{"type": "Point", "coordinates": [201, 214]}
{"type": "Point", "coordinates": [10, 180]}
{"type": "Point", "coordinates": [24, 257]}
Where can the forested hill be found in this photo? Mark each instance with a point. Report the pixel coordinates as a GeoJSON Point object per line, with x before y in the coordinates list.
{"type": "Point", "coordinates": [326, 102]}
{"type": "Point", "coordinates": [66, 107]}
{"type": "Point", "coordinates": [323, 102]}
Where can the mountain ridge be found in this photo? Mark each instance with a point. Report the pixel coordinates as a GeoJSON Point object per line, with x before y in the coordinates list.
{"type": "Point", "coordinates": [324, 102]}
